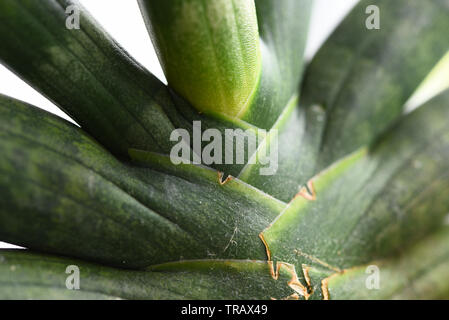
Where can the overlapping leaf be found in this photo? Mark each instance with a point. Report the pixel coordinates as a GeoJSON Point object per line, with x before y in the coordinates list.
{"type": "Point", "coordinates": [420, 273]}
{"type": "Point", "coordinates": [282, 41]}
{"type": "Point", "coordinates": [373, 203]}
{"type": "Point", "coordinates": [27, 275]}
{"type": "Point", "coordinates": [363, 77]}
{"type": "Point", "coordinates": [355, 87]}
{"type": "Point", "coordinates": [63, 193]}
{"type": "Point", "coordinates": [209, 51]}
{"type": "Point", "coordinates": [85, 73]}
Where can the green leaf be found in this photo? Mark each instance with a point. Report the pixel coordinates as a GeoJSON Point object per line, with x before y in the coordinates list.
{"type": "Point", "coordinates": [436, 82]}
{"type": "Point", "coordinates": [354, 88]}
{"type": "Point", "coordinates": [295, 145]}
{"type": "Point", "coordinates": [63, 193]}
{"type": "Point", "coordinates": [86, 73]}
{"type": "Point", "coordinates": [27, 275]}
{"type": "Point", "coordinates": [283, 35]}
{"type": "Point", "coordinates": [374, 202]}
{"type": "Point", "coordinates": [85, 203]}
{"type": "Point", "coordinates": [419, 273]}
{"type": "Point", "coordinates": [209, 51]}
{"type": "Point", "coordinates": [283, 38]}
{"type": "Point", "coordinates": [283, 29]}
{"type": "Point", "coordinates": [363, 77]}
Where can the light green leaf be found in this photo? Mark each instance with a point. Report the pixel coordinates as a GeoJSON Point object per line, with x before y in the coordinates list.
{"type": "Point", "coordinates": [283, 29]}
{"type": "Point", "coordinates": [363, 77]}
{"type": "Point", "coordinates": [209, 51]}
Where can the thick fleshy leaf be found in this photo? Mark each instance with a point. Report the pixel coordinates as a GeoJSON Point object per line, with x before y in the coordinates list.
{"type": "Point", "coordinates": [209, 51]}
{"type": "Point", "coordinates": [363, 77]}
{"type": "Point", "coordinates": [94, 80]}
{"type": "Point", "coordinates": [27, 275]}
{"type": "Point", "coordinates": [354, 88]}
{"type": "Point", "coordinates": [419, 273]}
{"type": "Point", "coordinates": [86, 73]}
{"type": "Point", "coordinates": [85, 203]}
{"type": "Point", "coordinates": [374, 202]}
{"type": "Point", "coordinates": [283, 29]}
{"type": "Point", "coordinates": [283, 26]}
{"type": "Point", "coordinates": [436, 82]}
{"type": "Point", "coordinates": [295, 141]}
{"type": "Point", "coordinates": [63, 193]}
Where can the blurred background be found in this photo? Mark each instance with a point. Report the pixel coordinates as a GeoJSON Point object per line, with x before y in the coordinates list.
{"type": "Point", "coordinates": [121, 18]}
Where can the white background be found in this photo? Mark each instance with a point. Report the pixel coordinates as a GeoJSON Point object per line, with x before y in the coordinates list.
{"type": "Point", "coordinates": [121, 18]}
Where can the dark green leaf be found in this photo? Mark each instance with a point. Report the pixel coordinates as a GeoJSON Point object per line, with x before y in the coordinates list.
{"type": "Point", "coordinates": [27, 275]}
{"type": "Point", "coordinates": [374, 202]}
{"type": "Point", "coordinates": [355, 87]}
{"type": "Point", "coordinates": [363, 77]}
{"type": "Point", "coordinates": [85, 203]}
{"type": "Point", "coordinates": [86, 73]}
{"type": "Point", "coordinates": [296, 141]}
{"type": "Point", "coordinates": [209, 51]}
{"type": "Point", "coordinates": [283, 28]}
{"type": "Point", "coordinates": [419, 273]}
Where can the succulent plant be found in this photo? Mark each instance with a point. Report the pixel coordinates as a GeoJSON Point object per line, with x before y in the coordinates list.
{"type": "Point", "coordinates": [356, 207]}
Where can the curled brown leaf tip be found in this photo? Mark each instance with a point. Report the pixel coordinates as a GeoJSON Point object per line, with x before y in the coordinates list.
{"type": "Point", "coordinates": [307, 193]}
{"type": "Point", "coordinates": [220, 178]}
